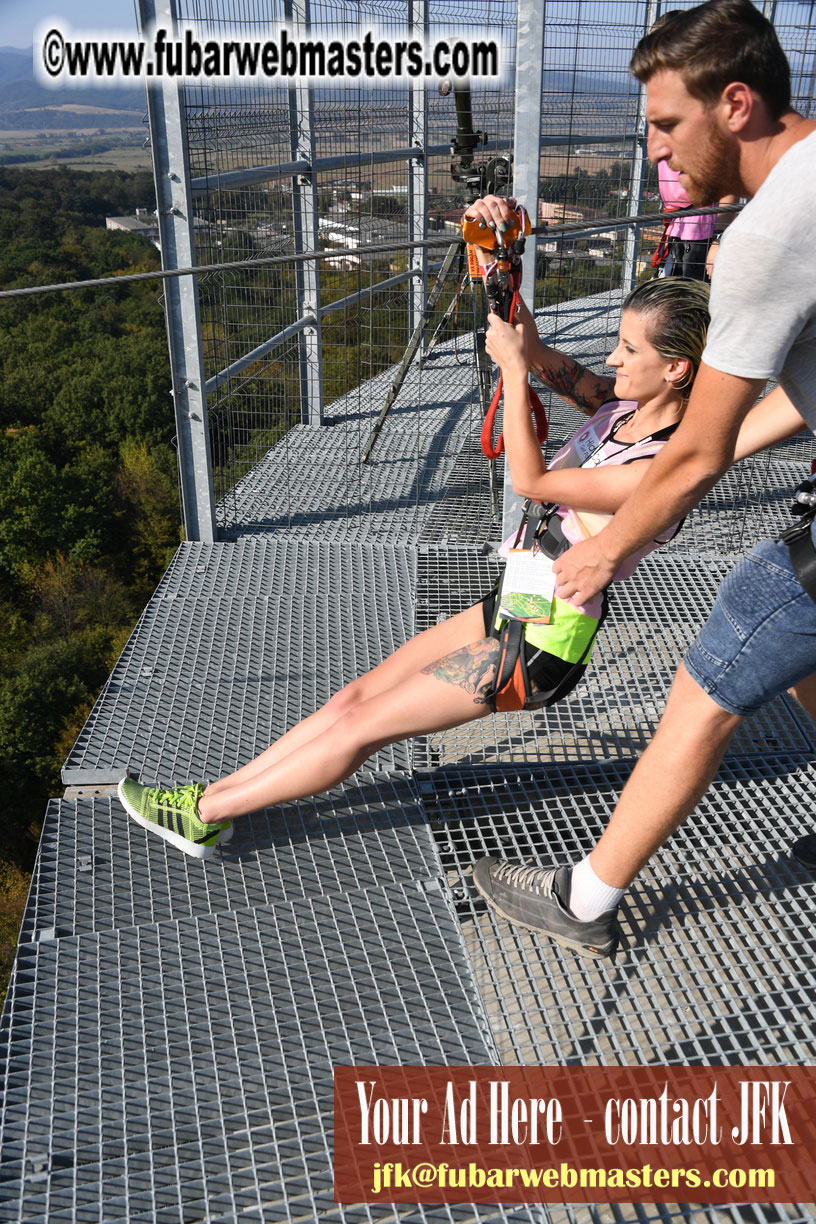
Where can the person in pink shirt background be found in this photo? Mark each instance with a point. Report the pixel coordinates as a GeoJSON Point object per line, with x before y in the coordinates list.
{"type": "Point", "coordinates": [688, 246]}
{"type": "Point", "coordinates": [687, 240]}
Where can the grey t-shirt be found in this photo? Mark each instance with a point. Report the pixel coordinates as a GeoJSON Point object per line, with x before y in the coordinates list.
{"type": "Point", "coordinates": [763, 292]}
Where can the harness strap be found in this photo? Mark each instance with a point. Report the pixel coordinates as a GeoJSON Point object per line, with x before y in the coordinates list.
{"type": "Point", "coordinates": [662, 248]}
{"type": "Point", "coordinates": [803, 560]}
{"type": "Point", "coordinates": [502, 277]}
{"type": "Point", "coordinates": [552, 541]}
{"type": "Point", "coordinates": [801, 550]}
{"type": "Point", "coordinates": [510, 678]}
{"type": "Point", "coordinates": [512, 689]}
{"type": "Point", "coordinates": [797, 537]}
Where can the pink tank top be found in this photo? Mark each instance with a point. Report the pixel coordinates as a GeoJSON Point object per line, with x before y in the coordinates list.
{"type": "Point", "coordinates": [594, 445]}
{"type": "Point", "coordinates": [673, 194]}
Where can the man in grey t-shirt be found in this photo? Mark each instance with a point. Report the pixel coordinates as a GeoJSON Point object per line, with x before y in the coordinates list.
{"type": "Point", "coordinates": [763, 304]}
{"type": "Point", "coordinates": [718, 106]}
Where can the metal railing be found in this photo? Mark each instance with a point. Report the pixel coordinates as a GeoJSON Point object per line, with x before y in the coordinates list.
{"type": "Point", "coordinates": [256, 401]}
{"type": "Point", "coordinates": [244, 171]}
{"type": "Point", "coordinates": [365, 334]}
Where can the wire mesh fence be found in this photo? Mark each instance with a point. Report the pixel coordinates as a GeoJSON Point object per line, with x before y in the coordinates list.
{"type": "Point", "coordinates": [327, 168]}
{"type": "Point", "coordinates": [242, 144]}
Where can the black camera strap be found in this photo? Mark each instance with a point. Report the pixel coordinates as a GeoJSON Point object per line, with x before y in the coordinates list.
{"type": "Point", "coordinates": [797, 537]}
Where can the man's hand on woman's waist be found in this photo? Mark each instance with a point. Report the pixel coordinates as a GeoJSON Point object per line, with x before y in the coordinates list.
{"type": "Point", "coordinates": [584, 570]}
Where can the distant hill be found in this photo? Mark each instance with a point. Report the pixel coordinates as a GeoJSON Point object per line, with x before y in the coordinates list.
{"type": "Point", "coordinates": [15, 65]}
{"type": "Point", "coordinates": [26, 105]}
{"type": "Point", "coordinates": [563, 81]}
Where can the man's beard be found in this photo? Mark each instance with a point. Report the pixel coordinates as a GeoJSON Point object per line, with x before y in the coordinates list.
{"type": "Point", "coordinates": [717, 172]}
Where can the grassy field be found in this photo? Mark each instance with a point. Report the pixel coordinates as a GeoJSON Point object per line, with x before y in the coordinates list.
{"type": "Point", "coordinates": [49, 150]}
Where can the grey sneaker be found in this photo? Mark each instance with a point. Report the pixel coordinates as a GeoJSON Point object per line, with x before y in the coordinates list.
{"type": "Point", "coordinates": [533, 897]}
{"type": "Point", "coordinates": [804, 850]}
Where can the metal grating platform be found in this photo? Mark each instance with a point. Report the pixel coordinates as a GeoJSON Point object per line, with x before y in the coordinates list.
{"type": "Point", "coordinates": [256, 567]}
{"type": "Point", "coordinates": [203, 686]}
{"type": "Point", "coordinates": [750, 503]}
{"type": "Point", "coordinates": [558, 813]}
{"type": "Point", "coordinates": [719, 937]}
{"type": "Point", "coordinates": [466, 513]}
{"type": "Point", "coordinates": [386, 499]}
{"type": "Point", "coordinates": [167, 1042]}
{"type": "Point", "coordinates": [183, 1070]}
{"type": "Point", "coordinates": [97, 870]}
{"type": "Point", "coordinates": [670, 587]}
{"type": "Point", "coordinates": [690, 993]}
{"type": "Point", "coordinates": [391, 496]}
{"type": "Point", "coordinates": [438, 396]}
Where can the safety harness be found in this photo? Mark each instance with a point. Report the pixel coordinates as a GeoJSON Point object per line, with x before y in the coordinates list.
{"type": "Point", "coordinates": [502, 281]}
{"type": "Point", "coordinates": [542, 527]}
{"type": "Point", "coordinates": [512, 688]}
{"type": "Point", "coordinates": [797, 536]}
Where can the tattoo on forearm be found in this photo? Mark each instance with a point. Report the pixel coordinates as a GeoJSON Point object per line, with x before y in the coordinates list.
{"type": "Point", "coordinates": [565, 379]}
{"type": "Point", "coordinates": [472, 668]}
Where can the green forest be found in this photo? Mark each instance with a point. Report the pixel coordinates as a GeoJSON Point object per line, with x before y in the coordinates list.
{"type": "Point", "coordinates": [88, 494]}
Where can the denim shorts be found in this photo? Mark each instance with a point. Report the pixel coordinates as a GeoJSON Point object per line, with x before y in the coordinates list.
{"type": "Point", "coordinates": [761, 635]}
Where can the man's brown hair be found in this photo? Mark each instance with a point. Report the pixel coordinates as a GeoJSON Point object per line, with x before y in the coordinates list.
{"type": "Point", "coordinates": [714, 44]}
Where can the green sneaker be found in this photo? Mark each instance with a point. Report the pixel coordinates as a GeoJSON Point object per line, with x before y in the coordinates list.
{"type": "Point", "coordinates": [173, 814]}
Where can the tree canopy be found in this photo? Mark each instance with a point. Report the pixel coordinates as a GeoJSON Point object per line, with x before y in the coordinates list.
{"type": "Point", "coordinates": [88, 497]}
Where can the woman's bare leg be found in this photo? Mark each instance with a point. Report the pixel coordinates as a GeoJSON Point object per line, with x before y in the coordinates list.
{"type": "Point", "coordinates": [424, 648]}
{"type": "Point", "coordinates": [442, 694]}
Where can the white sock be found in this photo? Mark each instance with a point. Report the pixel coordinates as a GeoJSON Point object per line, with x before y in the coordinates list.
{"type": "Point", "coordinates": [589, 896]}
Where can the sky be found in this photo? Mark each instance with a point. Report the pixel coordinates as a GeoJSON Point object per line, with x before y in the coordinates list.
{"type": "Point", "coordinates": [19, 18]}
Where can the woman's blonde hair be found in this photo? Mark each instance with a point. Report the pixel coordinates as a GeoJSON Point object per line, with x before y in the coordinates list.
{"type": "Point", "coordinates": [675, 310]}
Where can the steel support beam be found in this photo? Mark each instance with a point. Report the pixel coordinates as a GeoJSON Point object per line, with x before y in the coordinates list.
{"type": "Point", "coordinates": [174, 206]}
{"type": "Point", "coordinates": [526, 159]}
{"type": "Point", "coordinates": [419, 26]}
{"type": "Point", "coordinates": [305, 214]}
{"type": "Point", "coordinates": [637, 176]}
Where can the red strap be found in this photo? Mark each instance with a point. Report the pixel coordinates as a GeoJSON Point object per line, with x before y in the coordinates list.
{"type": "Point", "coordinates": [536, 406]}
{"type": "Point", "coordinates": [662, 248]}
{"type": "Point", "coordinates": [487, 425]}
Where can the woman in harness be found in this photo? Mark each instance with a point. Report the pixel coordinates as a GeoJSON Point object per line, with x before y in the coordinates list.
{"type": "Point", "coordinates": [453, 672]}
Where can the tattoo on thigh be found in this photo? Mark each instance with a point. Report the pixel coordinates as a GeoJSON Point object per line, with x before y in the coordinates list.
{"type": "Point", "coordinates": [471, 668]}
